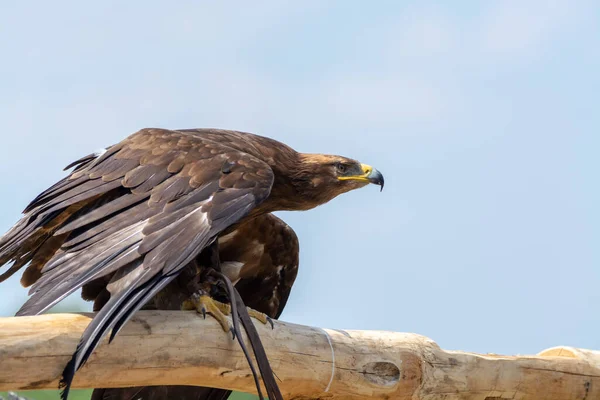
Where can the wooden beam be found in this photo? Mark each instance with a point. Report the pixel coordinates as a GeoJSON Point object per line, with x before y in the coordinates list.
{"type": "Point", "coordinates": [169, 348]}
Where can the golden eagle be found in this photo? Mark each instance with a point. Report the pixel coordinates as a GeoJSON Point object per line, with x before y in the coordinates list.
{"type": "Point", "coordinates": [149, 221]}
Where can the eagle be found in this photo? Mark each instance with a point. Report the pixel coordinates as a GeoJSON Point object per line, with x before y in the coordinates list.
{"type": "Point", "coordinates": [171, 219]}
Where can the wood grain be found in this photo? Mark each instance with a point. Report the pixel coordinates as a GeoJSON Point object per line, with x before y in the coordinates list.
{"type": "Point", "coordinates": [172, 347]}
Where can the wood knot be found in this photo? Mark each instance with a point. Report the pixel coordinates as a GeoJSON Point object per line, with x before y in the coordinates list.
{"type": "Point", "coordinates": [382, 373]}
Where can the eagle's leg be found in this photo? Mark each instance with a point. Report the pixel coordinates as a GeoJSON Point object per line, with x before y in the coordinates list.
{"type": "Point", "coordinates": [209, 260]}
{"type": "Point", "coordinates": [205, 289]}
{"type": "Point", "coordinates": [204, 304]}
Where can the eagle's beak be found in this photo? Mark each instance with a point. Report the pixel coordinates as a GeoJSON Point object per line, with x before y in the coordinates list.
{"type": "Point", "coordinates": [376, 178]}
{"type": "Point", "coordinates": [373, 175]}
{"type": "Point", "coordinates": [369, 174]}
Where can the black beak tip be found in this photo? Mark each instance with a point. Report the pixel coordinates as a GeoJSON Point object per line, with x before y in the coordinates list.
{"type": "Point", "coordinates": [377, 179]}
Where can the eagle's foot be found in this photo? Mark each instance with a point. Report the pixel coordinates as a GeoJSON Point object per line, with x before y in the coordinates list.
{"type": "Point", "coordinates": [204, 304]}
{"type": "Point", "coordinates": [262, 317]}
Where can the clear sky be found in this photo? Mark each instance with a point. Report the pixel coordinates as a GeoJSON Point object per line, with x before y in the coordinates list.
{"type": "Point", "coordinates": [483, 117]}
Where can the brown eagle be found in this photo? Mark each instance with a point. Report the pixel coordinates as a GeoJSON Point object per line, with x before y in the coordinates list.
{"type": "Point", "coordinates": [144, 223]}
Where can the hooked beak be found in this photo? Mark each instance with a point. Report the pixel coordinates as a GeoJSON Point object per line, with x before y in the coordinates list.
{"type": "Point", "coordinates": [376, 178]}
{"type": "Point", "coordinates": [369, 174]}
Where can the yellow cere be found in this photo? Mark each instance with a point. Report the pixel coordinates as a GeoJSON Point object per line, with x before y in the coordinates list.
{"type": "Point", "coordinates": [366, 169]}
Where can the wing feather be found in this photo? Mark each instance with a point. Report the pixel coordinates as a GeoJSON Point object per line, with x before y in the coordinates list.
{"type": "Point", "coordinates": [108, 209]}
{"type": "Point", "coordinates": [141, 211]}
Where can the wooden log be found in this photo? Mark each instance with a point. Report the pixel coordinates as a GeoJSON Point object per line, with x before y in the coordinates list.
{"type": "Point", "coordinates": [180, 348]}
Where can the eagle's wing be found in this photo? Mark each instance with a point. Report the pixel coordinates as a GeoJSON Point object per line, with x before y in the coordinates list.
{"type": "Point", "coordinates": [143, 210]}
{"type": "Point", "coordinates": [261, 257]}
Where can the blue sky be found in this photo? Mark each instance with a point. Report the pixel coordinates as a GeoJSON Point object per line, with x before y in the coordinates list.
{"type": "Point", "coordinates": [483, 117]}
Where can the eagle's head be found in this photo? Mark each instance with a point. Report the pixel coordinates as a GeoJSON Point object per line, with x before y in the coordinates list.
{"type": "Point", "coordinates": [318, 178]}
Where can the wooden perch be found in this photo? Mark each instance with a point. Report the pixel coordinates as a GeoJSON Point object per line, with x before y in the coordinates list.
{"type": "Point", "coordinates": [180, 348]}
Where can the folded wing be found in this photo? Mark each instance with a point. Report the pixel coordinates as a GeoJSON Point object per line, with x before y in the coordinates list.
{"type": "Point", "coordinates": [140, 211]}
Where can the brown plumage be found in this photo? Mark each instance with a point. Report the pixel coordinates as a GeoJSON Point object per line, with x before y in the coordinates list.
{"type": "Point", "coordinates": [141, 212]}
{"type": "Point", "coordinates": [261, 256]}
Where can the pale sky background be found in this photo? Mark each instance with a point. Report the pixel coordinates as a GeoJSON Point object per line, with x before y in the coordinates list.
{"type": "Point", "coordinates": [484, 118]}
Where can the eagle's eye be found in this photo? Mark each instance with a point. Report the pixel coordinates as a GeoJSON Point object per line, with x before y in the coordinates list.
{"type": "Point", "coordinates": [341, 168]}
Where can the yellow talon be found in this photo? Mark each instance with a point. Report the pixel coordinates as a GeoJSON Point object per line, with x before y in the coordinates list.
{"type": "Point", "coordinates": [262, 317]}
{"type": "Point", "coordinates": [204, 304]}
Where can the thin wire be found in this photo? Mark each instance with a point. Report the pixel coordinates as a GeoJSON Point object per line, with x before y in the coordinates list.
{"type": "Point", "coordinates": [332, 360]}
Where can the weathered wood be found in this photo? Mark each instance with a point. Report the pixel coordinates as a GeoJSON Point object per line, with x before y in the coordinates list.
{"type": "Point", "coordinates": [168, 348]}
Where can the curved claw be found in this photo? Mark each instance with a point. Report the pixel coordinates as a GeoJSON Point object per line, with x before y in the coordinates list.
{"type": "Point", "coordinates": [204, 304]}
{"type": "Point", "coordinates": [262, 317]}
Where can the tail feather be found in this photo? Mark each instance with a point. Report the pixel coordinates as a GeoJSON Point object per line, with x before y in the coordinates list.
{"type": "Point", "coordinates": [126, 298]}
